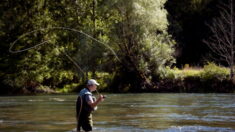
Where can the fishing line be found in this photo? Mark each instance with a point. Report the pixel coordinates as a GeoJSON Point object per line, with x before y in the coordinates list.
{"type": "Point", "coordinates": [64, 52]}
{"type": "Point", "coordinates": [59, 28]}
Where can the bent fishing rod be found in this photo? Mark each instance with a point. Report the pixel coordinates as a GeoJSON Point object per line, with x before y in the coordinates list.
{"type": "Point", "coordinates": [64, 52]}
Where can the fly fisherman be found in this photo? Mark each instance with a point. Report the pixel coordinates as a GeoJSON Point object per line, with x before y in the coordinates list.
{"type": "Point", "coordinates": [86, 103]}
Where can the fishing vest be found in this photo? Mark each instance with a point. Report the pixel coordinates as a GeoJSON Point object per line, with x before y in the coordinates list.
{"type": "Point", "coordinates": [86, 108]}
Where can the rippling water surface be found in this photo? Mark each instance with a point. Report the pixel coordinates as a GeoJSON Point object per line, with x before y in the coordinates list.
{"type": "Point", "coordinates": [122, 113]}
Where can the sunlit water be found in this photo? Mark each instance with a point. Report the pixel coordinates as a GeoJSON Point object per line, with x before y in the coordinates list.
{"type": "Point", "coordinates": [122, 113]}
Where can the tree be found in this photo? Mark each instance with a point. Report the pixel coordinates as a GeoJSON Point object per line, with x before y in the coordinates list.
{"type": "Point", "coordinates": [143, 44]}
{"type": "Point", "coordinates": [46, 64]}
{"type": "Point", "coordinates": [221, 42]}
{"type": "Point", "coordinates": [50, 64]}
{"type": "Point", "coordinates": [135, 30]}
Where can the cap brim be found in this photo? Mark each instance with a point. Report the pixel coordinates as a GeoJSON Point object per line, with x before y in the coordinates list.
{"type": "Point", "coordinates": [97, 84]}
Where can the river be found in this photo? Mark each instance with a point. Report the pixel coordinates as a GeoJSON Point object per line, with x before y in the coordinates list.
{"type": "Point", "coordinates": [121, 113]}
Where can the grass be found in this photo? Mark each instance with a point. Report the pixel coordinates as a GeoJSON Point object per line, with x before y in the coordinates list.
{"type": "Point", "coordinates": [186, 72]}
{"type": "Point", "coordinates": [206, 73]}
{"type": "Point", "coordinates": [209, 71]}
{"type": "Point", "coordinates": [103, 78]}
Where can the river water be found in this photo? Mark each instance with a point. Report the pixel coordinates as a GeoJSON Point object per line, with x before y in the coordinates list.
{"type": "Point", "coordinates": [122, 113]}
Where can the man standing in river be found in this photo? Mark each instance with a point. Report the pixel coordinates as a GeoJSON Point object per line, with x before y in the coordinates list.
{"type": "Point", "coordinates": [86, 103]}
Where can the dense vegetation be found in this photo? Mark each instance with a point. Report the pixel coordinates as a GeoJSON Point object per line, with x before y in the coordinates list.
{"type": "Point", "coordinates": [128, 46]}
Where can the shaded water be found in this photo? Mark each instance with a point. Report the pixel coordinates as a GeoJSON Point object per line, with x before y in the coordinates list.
{"type": "Point", "coordinates": [121, 113]}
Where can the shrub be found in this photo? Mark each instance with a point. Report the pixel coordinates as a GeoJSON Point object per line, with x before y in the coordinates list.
{"type": "Point", "coordinates": [105, 79]}
{"type": "Point", "coordinates": [211, 70]}
{"type": "Point", "coordinates": [176, 73]}
{"type": "Point", "coordinates": [169, 73]}
{"type": "Point", "coordinates": [191, 72]}
{"type": "Point", "coordinates": [67, 88]}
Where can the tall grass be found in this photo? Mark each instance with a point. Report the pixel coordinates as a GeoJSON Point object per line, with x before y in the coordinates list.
{"type": "Point", "coordinates": [209, 71]}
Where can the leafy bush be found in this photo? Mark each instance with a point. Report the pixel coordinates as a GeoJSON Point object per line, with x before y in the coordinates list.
{"type": "Point", "coordinates": [105, 79]}
{"type": "Point", "coordinates": [177, 73]}
{"type": "Point", "coordinates": [192, 72]}
{"type": "Point", "coordinates": [171, 73]}
{"type": "Point", "coordinates": [67, 88]}
{"type": "Point", "coordinates": [211, 70]}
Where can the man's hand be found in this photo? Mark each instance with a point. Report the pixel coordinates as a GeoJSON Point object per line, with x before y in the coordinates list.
{"type": "Point", "coordinates": [94, 104]}
{"type": "Point", "coordinates": [101, 98]}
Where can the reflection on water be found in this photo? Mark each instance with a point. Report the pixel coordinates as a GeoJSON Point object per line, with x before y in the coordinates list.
{"type": "Point", "coordinates": [121, 113]}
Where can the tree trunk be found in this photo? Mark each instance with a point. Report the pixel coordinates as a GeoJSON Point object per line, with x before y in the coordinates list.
{"type": "Point", "coordinates": [93, 68]}
{"type": "Point", "coordinates": [231, 72]}
{"type": "Point", "coordinates": [232, 40]}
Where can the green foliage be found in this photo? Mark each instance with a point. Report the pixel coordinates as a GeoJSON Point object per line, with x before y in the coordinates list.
{"type": "Point", "coordinates": [144, 45]}
{"type": "Point", "coordinates": [211, 70]}
{"type": "Point", "coordinates": [176, 73]}
{"type": "Point", "coordinates": [105, 79]}
{"type": "Point", "coordinates": [135, 30]}
{"type": "Point", "coordinates": [170, 73]}
{"type": "Point", "coordinates": [68, 88]}
{"type": "Point", "coordinates": [42, 65]}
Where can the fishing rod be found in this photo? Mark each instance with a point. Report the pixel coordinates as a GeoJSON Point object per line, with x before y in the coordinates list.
{"type": "Point", "coordinates": [63, 51]}
{"type": "Point", "coordinates": [99, 93]}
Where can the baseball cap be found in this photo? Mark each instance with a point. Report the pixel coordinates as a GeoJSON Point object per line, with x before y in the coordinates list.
{"type": "Point", "coordinates": [92, 82]}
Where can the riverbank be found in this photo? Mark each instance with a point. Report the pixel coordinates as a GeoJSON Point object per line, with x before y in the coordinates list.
{"type": "Point", "coordinates": [193, 85]}
{"type": "Point", "coordinates": [209, 79]}
{"type": "Point", "coordinates": [187, 85]}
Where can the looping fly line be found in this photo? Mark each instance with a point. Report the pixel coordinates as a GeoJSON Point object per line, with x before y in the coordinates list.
{"type": "Point", "coordinates": [60, 28]}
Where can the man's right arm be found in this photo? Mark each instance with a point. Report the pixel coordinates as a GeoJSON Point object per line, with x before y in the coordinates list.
{"type": "Point", "coordinates": [95, 103]}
